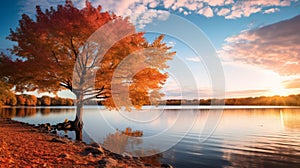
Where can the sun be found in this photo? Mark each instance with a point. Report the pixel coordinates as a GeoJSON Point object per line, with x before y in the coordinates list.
{"type": "Point", "coordinates": [279, 90]}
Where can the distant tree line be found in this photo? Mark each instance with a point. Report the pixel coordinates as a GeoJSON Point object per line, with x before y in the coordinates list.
{"type": "Point", "coordinates": [31, 100]}
{"type": "Point", "coordinates": [7, 97]}
{"type": "Point", "coordinates": [291, 100]}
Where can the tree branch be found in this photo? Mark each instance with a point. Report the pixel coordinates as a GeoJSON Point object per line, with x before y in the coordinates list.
{"type": "Point", "coordinates": [68, 86]}
{"type": "Point", "coordinates": [73, 48]}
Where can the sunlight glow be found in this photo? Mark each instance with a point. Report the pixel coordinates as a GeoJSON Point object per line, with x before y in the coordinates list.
{"type": "Point", "coordinates": [280, 90]}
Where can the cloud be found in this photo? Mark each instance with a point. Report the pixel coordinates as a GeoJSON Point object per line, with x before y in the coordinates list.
{"type": "Point", "coordinates": [223, 12]}
{"type": "Point", "coordinates": [272, 10]}
{"type": "Point", "coordinates": [147, 17]}
{"type": "Point", "coordinates": [233, 9]}
{"type": "Point", "coordinates": [206, 11]}
{"type": "Point", "coordinates": [230, 9]}
{"type": "Point", "coordinates": [292, 84]}
{"type": "Point", "coordinates": [242, 93]}
{"type": "Point", "coordinates": [141, 12]}
{"type": "Point", "coordinates": [205, 93]}
{"type": "Point", "coordinates": [275, 47]}
{"type": "Point", "coordinates": [188, 93]}
{"type": "Point", "coordinates": [171, 43]}
{"type": "Point", "coordinates": [168, 3]}
{"type": "Point", "coordinates": [194, 59]}
{"type": "Point", "coordinates": [185, 13]}
{"type": "Point", "coordinates": [214, 2]}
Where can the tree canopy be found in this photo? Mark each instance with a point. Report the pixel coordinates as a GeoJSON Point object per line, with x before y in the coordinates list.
{"type": "Point", "coordinates": [56, 52]}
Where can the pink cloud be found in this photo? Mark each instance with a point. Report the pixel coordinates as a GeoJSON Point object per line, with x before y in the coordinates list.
{"type": "Point", "coordinates": [168, 3]}
{"type": "Point", "coordinates": [227, 2]}
{"type": "Point", "coordinates": [223, 12]}
{"type": "Point", "coordinates": [236, 13]}
{"type": "Point", "coordinates": [274, 47]}
{"type": "Point", "coordinates": [215, 2]}
{"type": "Point", "coordinates": [292, 84]}
{"type": "Point", "coordinates": [206, 11]}
{"type": "Point", "coordinates": [230, 9]}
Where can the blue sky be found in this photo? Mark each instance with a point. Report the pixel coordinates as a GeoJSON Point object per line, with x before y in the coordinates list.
{"type": "Point", "coordinates": [234, 28]}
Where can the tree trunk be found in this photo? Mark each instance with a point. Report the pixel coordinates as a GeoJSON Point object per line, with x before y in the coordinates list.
{"type": "Point", "coordinates": [78, 123]}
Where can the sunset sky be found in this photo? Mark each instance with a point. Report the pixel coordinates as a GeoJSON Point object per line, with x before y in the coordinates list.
{"type": "Point", "coordinates": [257, 41]}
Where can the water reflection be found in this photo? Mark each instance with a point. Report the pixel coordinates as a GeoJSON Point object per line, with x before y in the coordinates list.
{"type": "Point", "coordinates": [31, 111]}
{"type": "Point", "coordinates": [253, 137]}
{"type": "Point", "coordinates": [17, 112]}
{"type": "Point", "coordinates": [46, 111]}
{"type": "Point", "coordinates": [263, 155]}
{"type": "Point", "coordinates": [290, 118]}
{"type": "Point", "coordinates": [261, 137]}
{"type": "Point", "coordinates": [127, 141]}
{"type": "Point", "coordinates": [272, 136]}
{"type": "Point", "coordinates": [121, 142]}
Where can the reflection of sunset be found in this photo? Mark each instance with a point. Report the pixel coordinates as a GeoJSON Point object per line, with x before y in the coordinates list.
{"type": "Point", "coordinates": [263, 134]}
{"type": "Point", "coordinates": [290, 118]}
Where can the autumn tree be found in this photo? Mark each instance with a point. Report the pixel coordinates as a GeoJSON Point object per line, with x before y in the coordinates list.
{"type": "Point", "coordinates": [31, 100]}
{"type": "Point", "coordinates": [94, 54]}
{"type": "Point", "coordinates": [7, 97]}
{"type": "Point", "coordinates": [45, 100]}
{"type": "Point", "coordinates": [21, 100]}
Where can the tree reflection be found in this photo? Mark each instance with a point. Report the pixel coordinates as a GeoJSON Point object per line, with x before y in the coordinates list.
{"type": "Point", "coordinates": [45, 111]}
{"type": "Point", "coordinates": [17, 112]}
{"type": "Point", "coordinates": [30, 111]}
{"type": "Point", "coordinates": [123, 141]}
{"type": "Point", "coordinates": [130, 142]}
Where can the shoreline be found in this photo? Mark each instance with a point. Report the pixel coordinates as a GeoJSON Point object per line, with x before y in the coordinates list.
{"type": "Point", "coordinates": [22, 145]}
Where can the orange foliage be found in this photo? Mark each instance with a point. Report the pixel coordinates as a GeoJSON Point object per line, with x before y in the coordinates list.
{"type": "Point", "coordinates": [55, 43]}
{"type": "Point", "coordinates": [45, 101]}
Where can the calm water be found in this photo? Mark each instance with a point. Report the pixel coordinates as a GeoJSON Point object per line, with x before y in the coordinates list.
{"type": "Point", "coordinates": [189, 137]}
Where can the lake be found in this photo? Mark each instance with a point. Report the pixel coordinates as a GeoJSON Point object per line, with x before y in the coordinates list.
{"type": "Point", "coordinates": [187, 136]}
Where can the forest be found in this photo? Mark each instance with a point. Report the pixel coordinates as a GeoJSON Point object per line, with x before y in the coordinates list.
{"type": "Point", "coordinates": [291, 100]}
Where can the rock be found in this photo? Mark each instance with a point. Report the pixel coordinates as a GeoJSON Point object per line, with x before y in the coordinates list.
{"type": "Point", "coordinates": [63, 155]}
{"type": "Point", "coordinates": [94, 144]}
{"type": "Point", "coordinates": [147, 165]}
{"type": "Point", "coordinates": [67, 125]}
{"type": "Point", "coordinates": [102, 162]}
{"type": "Point", "coordinates": [164, 165]}
{"type": "Point", "coordinates": [116, 156]}
{"type": "Point", "coordinates": [58, 140]}
{"type": "Point", "coordinates": [126, 155]}
{"type": "Point", "coordinates": [110, 162]}
{"type": "Point", "coordinates": [92, 150]}
{"type": "Point", "coordinates": [44, 127]}
{"type": "Point", "coordinates": [59, 127]}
